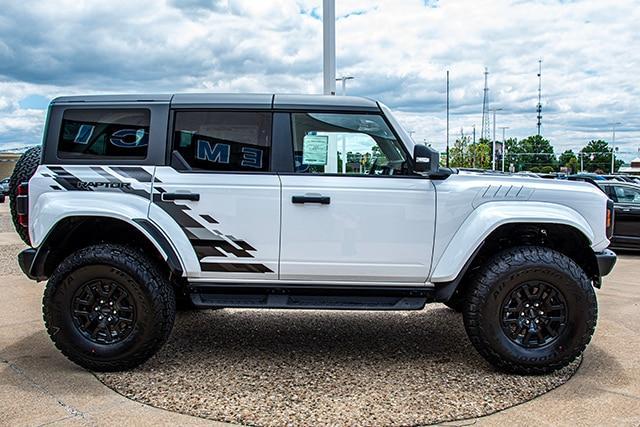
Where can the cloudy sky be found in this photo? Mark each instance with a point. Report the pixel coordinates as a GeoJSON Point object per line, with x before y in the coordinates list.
{"type": "Point", "coordinates": [398, 50]}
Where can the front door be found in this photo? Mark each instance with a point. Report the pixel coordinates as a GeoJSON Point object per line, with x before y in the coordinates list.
{"type": "Point", "coordinates": [351, 211]}
{"type": "Point", "coordinates": [221, 193]}
{"type": "Point", "coordinates": [626, 199]}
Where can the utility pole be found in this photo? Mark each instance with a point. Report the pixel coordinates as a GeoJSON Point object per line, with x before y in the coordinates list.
{"type": "Point", "coordinates": [329, 46]}
{"type": "Point", "coordinates": [447, 118]}
{"type": "Point", "coordinates": [493, 145]}
{"type": "Point", "coordinates": [504, 145]}
{"type": "Point", "coordinates": [613, 143]}
{"type": "Point", "coordinates": [484, 132]}
{"type": "Point", "coordinates": [539, 106]}
{"type": "Point", "coordinates": [344, 79]}
{"type": "Point", "coordinates": [473, 160]}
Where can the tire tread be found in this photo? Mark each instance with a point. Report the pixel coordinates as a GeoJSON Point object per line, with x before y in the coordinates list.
{"type": "Point", "coordinates": [511, 260]}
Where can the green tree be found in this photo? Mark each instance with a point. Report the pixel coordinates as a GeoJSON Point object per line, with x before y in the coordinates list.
{"type": "Point", "coordinates": [459, 155]}
{"type": "Point", "coordinates": [537, 152]}
{"type": "Point", "coordinates": [513, 151]}
{"type": "Point", "coordinates": [597, 157]}
{"type": "Point", "coordinates": [480, 154]}
{"type": "Point", "coordinates": [569, 160]}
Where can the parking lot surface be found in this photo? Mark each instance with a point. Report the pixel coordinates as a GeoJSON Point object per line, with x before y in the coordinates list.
{"type": "Point", "coordinates": [378, 360]}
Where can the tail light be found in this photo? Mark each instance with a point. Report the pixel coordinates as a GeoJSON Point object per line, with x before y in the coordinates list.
{"type": "Point", "coordinates": [610, 219]}
{"type": "Point", "coordinates": [22, 204]}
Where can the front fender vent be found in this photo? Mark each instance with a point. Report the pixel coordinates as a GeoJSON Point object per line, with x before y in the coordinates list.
{"type": "Point", "coordinates": [492, 193]}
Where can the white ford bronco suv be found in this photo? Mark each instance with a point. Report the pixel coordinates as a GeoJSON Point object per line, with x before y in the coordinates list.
{"type": "Point", "coordinates": [137, 205]}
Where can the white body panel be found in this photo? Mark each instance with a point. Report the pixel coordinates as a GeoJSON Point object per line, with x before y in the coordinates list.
{"type": "Point", "coordinates": [245, 207]}
{"type": "Point", "coordinates": [50, 201]}
{"type": "Point", "coordinates": [471, 206]}
{"type": "Point", "coordinates": [376, 229]}
{"type": "Point", "coordinates": [54, 198]}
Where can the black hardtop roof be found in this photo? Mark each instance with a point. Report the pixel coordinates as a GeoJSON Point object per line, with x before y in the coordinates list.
{"type": "Point", "coordinates": [230, 100]}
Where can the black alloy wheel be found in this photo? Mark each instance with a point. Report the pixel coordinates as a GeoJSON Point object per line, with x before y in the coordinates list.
{"type": "Point", "coordinates": [108, 307]}
{"type": "Point", "coordinates": [103, 311]}
{"type": "Point", "coordinates": [534, 314]}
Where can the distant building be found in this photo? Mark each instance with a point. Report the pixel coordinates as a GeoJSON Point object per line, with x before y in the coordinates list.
{"type": "Point", "coordinates": [633, 169]}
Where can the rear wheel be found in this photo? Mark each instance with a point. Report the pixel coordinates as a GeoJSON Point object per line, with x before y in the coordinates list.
{"type": "Point", "coordinates": [108, 308]}
{"type": "Point", "coordinates": [24, 170]}
{"type": "Point", "coordinates": [530, 310]}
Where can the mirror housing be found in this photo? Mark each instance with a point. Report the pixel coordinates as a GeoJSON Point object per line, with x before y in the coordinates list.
{"type": "Point", "coordinates": [425, 160]}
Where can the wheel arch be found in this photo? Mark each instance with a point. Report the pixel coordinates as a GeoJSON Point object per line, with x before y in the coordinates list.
{"type": "Point", "coordinates": [564, 238]}
{"type": "Point", "coordinates": [73, 232]}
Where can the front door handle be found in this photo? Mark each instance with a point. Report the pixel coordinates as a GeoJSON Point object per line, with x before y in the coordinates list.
{"type": "Point", "coordinates": [169, 197]}
{"type": "Point", "coordinates": [323, 200]}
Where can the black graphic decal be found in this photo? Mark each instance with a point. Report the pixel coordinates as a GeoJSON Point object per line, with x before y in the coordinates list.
{"type": "Point", "coordinates": [66, 179]}
{"type": "Point", "coordinates": [232, 267]}
{"type": "Point", "coordinates": [209, 219]}
{"type": "Point", "coordinates": [206, 243]}
{"type": "Point", "coordinates": [139, 174]}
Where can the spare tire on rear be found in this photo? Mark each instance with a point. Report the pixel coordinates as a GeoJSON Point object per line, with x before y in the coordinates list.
{"type": "Point", "coordinates": [24, 170]}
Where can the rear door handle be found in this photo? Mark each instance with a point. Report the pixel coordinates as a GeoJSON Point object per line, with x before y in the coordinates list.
{"type": "Point", "coordinates": [323, 200]}
{"type": "Point", "coordinates": [169, 197]}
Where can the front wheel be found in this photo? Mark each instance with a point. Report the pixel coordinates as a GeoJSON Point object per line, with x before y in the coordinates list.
{"type": "Point", "coordinates": [108, 308]}
{"type": "Point", "coordinates": [530, 310]}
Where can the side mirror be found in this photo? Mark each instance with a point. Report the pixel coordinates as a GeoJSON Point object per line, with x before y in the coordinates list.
{"type": "Point", "coordinates": [425, 159]}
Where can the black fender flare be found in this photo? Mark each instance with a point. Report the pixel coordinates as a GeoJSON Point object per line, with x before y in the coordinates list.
{"type": "Point", "coordinates": [36, 262]}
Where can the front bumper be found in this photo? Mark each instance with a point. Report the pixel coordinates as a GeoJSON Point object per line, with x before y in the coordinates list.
{"type": "Point", "coordinates": [606, 260]}
{"type": "Point", "coordinates": [25, 260]}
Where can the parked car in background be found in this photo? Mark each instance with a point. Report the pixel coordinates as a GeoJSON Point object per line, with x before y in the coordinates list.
{"type": "Point", "coordinates": [528, 174]}
{"type": "Point", "coordinates": [626, 199]}
{"type": "Point", "coordinates": [4, 186]}
{"type": "Point", "coordinates": [593, 176]}
{"type": "Point", "coordinates": [622, 178]}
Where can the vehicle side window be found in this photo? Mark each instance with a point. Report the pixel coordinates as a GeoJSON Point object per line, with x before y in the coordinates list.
{"type": "Point", "coordinates": [224, 141]}
{"type": "Point", "coordinates": [117, 133]}
{"type": "Point", "coordinates": [627, 194]}
{"type": "Point", "coordinates": [352, 144]}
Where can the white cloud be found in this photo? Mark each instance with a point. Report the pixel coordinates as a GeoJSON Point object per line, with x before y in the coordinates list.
{"type": "Point", "coordinates": [398, 51]}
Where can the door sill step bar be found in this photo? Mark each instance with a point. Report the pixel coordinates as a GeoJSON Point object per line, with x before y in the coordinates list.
{"type": "Point", "coordinates": [307, 297]}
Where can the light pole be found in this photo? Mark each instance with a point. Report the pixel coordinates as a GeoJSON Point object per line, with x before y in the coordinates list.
{"type": "Point", "coordinates": [329, 46]}
{"type": "Point", "coordinates": [493, 154]}
{"type": "Point", "coordinates": [344, 79]}
{"type": "Point", "coordinates": [613, 143]}
{"type": "Point", "coordinates": [504, 145]}
{"type": "Point", "coordinates": [447, 118]}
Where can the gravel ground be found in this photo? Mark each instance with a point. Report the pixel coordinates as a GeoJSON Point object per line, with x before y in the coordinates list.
{"type": "Point", "coordinates": [302, 368]}
{"type": "Point", "coordinates": [276, 367]}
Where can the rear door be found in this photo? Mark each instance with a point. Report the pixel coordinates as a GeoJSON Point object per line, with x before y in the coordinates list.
{"type": "Point", "coordinates": [219, 189]}
{"type": "Point", "coordinates": [351, 210]}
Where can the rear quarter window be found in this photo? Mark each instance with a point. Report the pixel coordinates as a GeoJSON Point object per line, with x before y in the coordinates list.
{"type": "Point", "coordinates": [104, 133]}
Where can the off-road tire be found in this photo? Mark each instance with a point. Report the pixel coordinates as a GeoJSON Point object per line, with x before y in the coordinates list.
{"type": "Point", "coordinates": [151, 293]}
{"type": "Point", "coordinates": [499, 278]}
{"type": "Point", "coordinates": [23, 171]}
